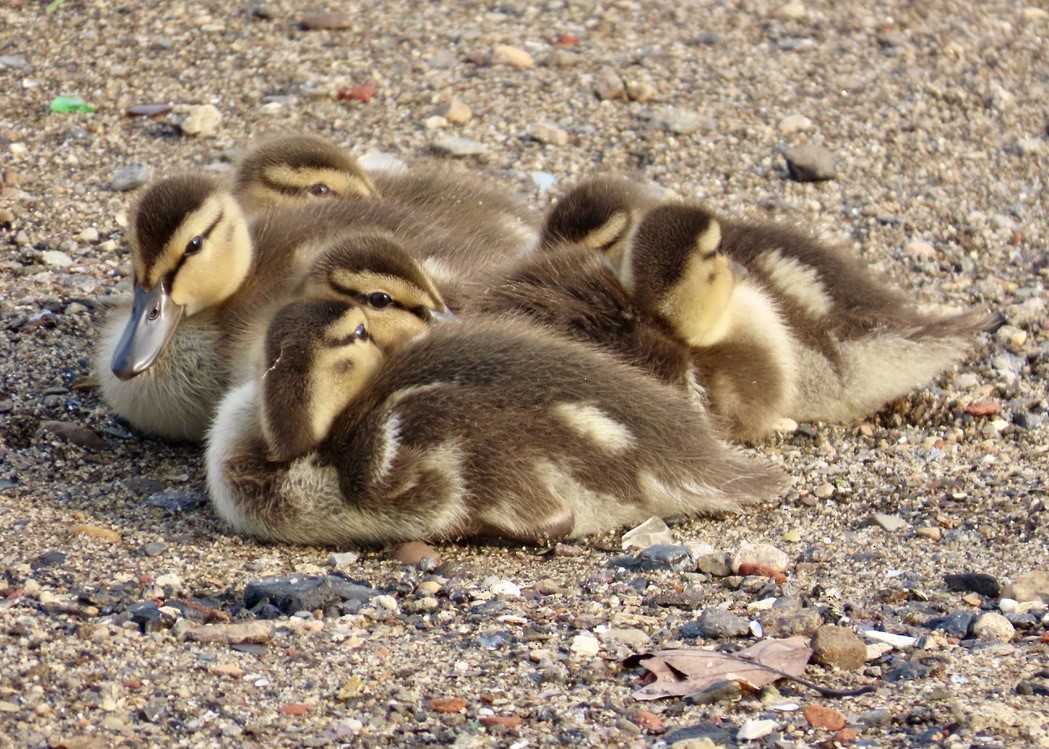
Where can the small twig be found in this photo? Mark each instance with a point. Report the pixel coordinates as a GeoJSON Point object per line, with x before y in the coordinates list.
{"type": "Point", "coordinates": [824, 691]}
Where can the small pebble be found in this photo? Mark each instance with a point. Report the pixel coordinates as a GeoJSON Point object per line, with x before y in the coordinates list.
{"type": "Point", "coordinates": [200, 121]}
{"type": "Point", "coordinates": [344, 559]}
{"type": "Point", "coordinates": [131, 177]}
{"type": "Point", "coordinates": [504, 54]}
{"type": "Point", "coordinates": [545, 131]}
{"type": "Point", "coordinates": [811, 163]}
{"type": "Point", "coordinates": [794, 123]}
{"type": "Point", "coordinates": [459, 147]}
{"type": "Point", "coordinates": [838, 647]}
{"type": "Point", "coordinates": [993, 627]}
{"type": "Point", "coordinates": [640, 91]}
{"type": "Point", "coordinates": [455, 111]}
{"type": "Point", "coordinates": [819, 716]}
{"type": "Point", "coordinates": [890, 523]}
{"type": "Point", "coordinates": [89, 235]}
{"type": "Point", "coordinates": [686, 121]}
{"type": "Point", "coordinates": [652, 532]}
{"type": "Point", "coordinates": [985, 585]}
{"type": "Point", "coordinates": [331, 21]}
{"type": "Point", "coordinates": [716, 624]}
{"type": "Point", "coordinates": [920, 250]}
{"type": "Point", "coordinates": [56, 259]}
{"type": "Point", "coordinates": [760, 555]}
{"type": "Point", "coordinates": [608, 85]}
{"type": "Point", "coordinates": [755, 729]}
{"type": "Point", "coordinates": [585, 646]}
{"type": "Point", "coordinates": [791, 11]}
{"type": "Point", "coordinates": [414, 552]}
{"type": "Point", "coordinates": [505, 588]}
{"type": "Point", "coordinates": [1033, 586]}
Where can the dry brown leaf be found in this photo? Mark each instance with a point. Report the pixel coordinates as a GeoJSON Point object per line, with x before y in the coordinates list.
{"type": "Point", "coordinates": [682, 672]}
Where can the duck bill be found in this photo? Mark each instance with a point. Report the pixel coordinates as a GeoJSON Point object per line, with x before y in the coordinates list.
{"type": "Point", "coordinates": [154, 317]}
{"type": "Point", "coordinates": [436, 316]}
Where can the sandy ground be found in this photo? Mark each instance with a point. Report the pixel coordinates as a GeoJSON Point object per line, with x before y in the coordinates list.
{"type": "Point", "coordinates": [936, 113]}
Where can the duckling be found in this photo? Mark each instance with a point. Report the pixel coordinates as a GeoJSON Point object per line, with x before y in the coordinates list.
{"type": "Point", "coordinates": [681, 315]}
{"type": "Point", "coordinates": [285, 169]}
{"type": "Point", "coordinates": [201, 269]}
{"type": "Point", "coordinates": [852, 342]}
{"type": "Point", "coordinates": [484, 428]}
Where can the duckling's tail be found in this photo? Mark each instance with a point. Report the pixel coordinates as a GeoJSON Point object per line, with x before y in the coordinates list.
{"type": "Point", "coordinates": [727, 485]}
{"type": "Point", "coordinates": [886, 364]}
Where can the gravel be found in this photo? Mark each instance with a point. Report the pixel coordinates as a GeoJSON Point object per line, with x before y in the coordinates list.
{"type": "Point", "coordinates": [124, 622]}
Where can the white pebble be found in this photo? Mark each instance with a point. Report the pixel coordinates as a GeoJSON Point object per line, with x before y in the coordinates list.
{"type": "Point", "coordinates": [504, 54]}
{"type": "Point", "coordinates": [585, 646]}
{"type": "Point", "coordinates": [762, 555]}
{"type": "Point", "coordinates": [90, 234]}
{"type": "Point", "coordinates": [755, 729]}
{"type": "Point", "coordinates": [505, 588]}
{"type": "Point", "coordinates": [993, 627]}
{"type": "Point", "coordinates": [17, 148]}
{"type": "Point", "coordinates": [56, 259]}
{"type": "Point", "coordinates": [385, 602]}
{"type": "Point", "coordinates": [794, 123]}
{"type": "Point", "coordinates": [920, 249]}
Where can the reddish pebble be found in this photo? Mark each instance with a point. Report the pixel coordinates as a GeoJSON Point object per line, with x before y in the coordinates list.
{"type": "Point", "coordinates": [363, 93]}
{"type": "Point", "coordinates": [760, 570]}
{"type": "Point", "coordinates": [295, 708]}
{"type": "Point", "coordinates": [983, 408]}
{"type": "Point", "coordinates": [414, 552]}
{"type": "Point", "coordinates": [846, 734]}
{"type": "Point", "coordinates": [824, 717]}
{"type": "Point", "coordinates": [649, 721]}
{"type": "Point", "coordinates": [568, 40]}
{"type": "Point", "coordinates": [448, 704]}
{"type": "Point", "coordinates": [132, 683]}
{"type": "Point", "coordinates": [509, 721]}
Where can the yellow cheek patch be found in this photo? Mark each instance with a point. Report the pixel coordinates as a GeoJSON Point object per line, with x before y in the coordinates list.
{"type": "Point", "coordinates": [697, 306]}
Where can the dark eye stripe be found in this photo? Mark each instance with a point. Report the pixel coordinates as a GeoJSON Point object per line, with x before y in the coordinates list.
{"type": "Point", "coordinates": [170, 277]}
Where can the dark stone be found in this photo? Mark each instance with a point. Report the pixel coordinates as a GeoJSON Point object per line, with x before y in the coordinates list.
{"type": "Point", "coordinates": [715, 624]}
{"type": "Point", "coordinates": [666, 557]}
{"type": "Point", "coordinates": [347, 590]}
{"type": "Point", "coordinates": [908, 671]}
{"type": "Point", "coordinates": [1023, 621]}
{"type": "Point", "coordinates": [975, 582]}
{"type": "Point", "coordinates": [957, 623]}
{"type": "Point", "coordinates": [720, 734]}
{"type": "Point", "coordinates": [291, 593]}
{"type": "Point", "coordinates": [153, 548]}
{"type": "Point", "coordinates": [149, 617]}
{"type": "Point", "coordinates": [49, 559]}
{"type": "Point", "coordinates": [683, 599]}
{"type": "Point", "coordinates": [143, 486]}
{"type": "Point", "coordinates": [625, 561]}
{"type": "Point", "coordinates": [175, 501]}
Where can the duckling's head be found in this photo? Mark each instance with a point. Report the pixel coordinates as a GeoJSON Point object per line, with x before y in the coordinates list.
{"type": "Point", "coordinates": [672, 268]}
{"type": "Point", "coordinates": [191, 251]}
{"type": "Point", "coordinates": [375, 271]}
{"type": "Point", "coordinates": [598, 214]}
{"type": "Point", "coordinates": [291, 169]}
{"type": "Point", "coordinates": [319, 357]}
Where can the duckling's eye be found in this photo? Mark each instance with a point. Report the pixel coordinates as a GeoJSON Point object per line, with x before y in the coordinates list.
{"type": "Point", "coordinates": [361, 333]}
{"type": "Point", "coordinates": [319, 190]}
{"type": "Point", "coordinates": [194, 246]}
{"type": "Point", "coordinates": [380, 299]}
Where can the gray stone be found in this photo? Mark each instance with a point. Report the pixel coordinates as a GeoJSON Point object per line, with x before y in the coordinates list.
{"type": "Point", "coordinates": [957, 623]}
{"type": "Point", "coordinates": [685, 121]}
{"type": "Point", "coordinates": [13, 61]}
{"type": "Point", "coordinates": [442, 59]}
{"type": "Point", "coordinates": [176, 501]}
{"type": "Point", "coordinates": [879, 716]}
{"type": "Point", "coordinates": [665, 557]}
{"type": "Point", "coordinates": [291, 593]}
{"type": "Point", "coordinates": [545, 131]}
{"type": "Point", "coordinates": [718, 564]}
{"type": "Point", "coordinates": [811, 163]}
{"type": "Point", "coordinates": [715, 624]}
{"type": "Point", "coordinates": [890, 523]}
{"type": "Point", "coordinates": [839, 647]}
{"type": "Point", "coordinates": [608, 85]}
{"type": "Point", "coordinates": [458, 147]}
{"type": "Point", "coordinates": [131, 177]}
{"type": "Point", "coordinates": [908, 671]}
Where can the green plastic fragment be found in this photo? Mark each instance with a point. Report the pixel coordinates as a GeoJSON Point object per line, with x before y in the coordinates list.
{"type": "Point", "coordinates": [70, 104]}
